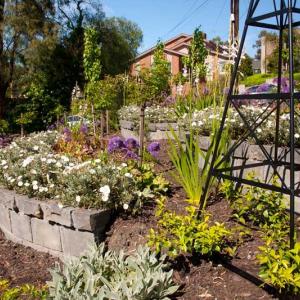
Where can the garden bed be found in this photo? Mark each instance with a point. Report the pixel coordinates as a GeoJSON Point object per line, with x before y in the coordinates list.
{"type": "Point", "coordinates": [47, 227]}
{"type": "Point", "coordinates": [246, 153]}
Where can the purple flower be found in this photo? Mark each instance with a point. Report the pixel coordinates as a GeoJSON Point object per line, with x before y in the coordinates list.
{"type": "Point", "coordinates": [131, 144]}
{"type": "Point", "coordinates": [131, 155]}
{"type": "Point", "coordinates": [67, 131]}
{"type": "Point", "coordinates": [154, 148]}
{"type": "Point", "coordinates": [205, 91]}
{"type": "Point", "coordinates": [115, 143]}
{"type": "Point", "coordinates": [84, 129]}
{"type": "Point", "coordinates": [265, 87]}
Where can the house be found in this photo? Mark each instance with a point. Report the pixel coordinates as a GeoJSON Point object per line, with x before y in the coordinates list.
{"type": "Point", "coordinates": [256, 66]}
{"type": "Point", "coordinates": [178, 47]}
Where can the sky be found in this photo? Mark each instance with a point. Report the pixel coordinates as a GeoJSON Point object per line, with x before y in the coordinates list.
{"type": "Point", "coordinates": [164, 19]}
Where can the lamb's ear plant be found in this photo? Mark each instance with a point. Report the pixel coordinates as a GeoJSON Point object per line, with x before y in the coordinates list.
{"type": "Point", "coordinates": [102, 275]}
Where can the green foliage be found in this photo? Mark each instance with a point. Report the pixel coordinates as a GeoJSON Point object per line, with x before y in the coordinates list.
{"type": "Point", "coordinates": [26, 291]}
{"type": "Point", "coordinates": [197, 56]}
{"type": "Point", "coordinates": [181, 234]}
{"type": "Point", "coordinates": [101, 274]}
{"type": "Point", "coordinates": [281, 267]}
{"type": "Point", "coordinates": [246, 68]}
{"type": "Point", "coordinates": [263, 208]}
{"type": "Point", "coordinates": [91, 55]}
{"type": "Point", "coordinates": [3, 126]}
{"type": "Point", "coordinates": [257, 79]}
{"type": "Point", "coordinates": [186, 158]}
{"type": "Point", "coordinates": [156, 79]}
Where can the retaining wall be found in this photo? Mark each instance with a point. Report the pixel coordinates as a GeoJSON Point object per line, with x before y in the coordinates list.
{"type": "Point", "coordinates": [245, 154]}
{"type": "Point", "coordinates": [46, 227]}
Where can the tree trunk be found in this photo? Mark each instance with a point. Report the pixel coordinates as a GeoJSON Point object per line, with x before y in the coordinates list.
{"type": "Point", "coordinates": [2, 100]}
{"type": "Point", "coordinates": [142, 133]}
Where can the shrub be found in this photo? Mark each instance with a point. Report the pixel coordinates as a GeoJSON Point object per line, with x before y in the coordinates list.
{"type": "Point", "coordinates": [281, 268]}
{"type": "Point", "coordinates": [30, 166]}
{"type": "Point", "coordinates": [110, 275]}
{"type": "Point", "coordinates": [257, 79]}
{"type": "Point", "coordinates": [181, 234]}
{"type": "Point", "coordinates": [26, 291]}
{"type": "Point", "coordinates": [263, 208]}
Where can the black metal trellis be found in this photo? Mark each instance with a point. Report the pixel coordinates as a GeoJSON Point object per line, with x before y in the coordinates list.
{"type": "Point", "coordinates": [280, 18]}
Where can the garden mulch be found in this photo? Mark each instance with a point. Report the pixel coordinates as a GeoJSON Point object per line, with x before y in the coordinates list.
{"type": "Point", "coordinates": [22, 265]}
{"type": "Point", "coordinates": [199, 278]}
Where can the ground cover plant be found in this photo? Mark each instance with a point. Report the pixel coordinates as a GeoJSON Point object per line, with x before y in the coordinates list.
{"type": "Point", "coordinates": [26, 291]}
{"type": "Point", "coordinates": [279, 265]}
{"type": "Point", "coordinates": [31, 166]}
{"type": "Point", "coordinates": [101, 274]}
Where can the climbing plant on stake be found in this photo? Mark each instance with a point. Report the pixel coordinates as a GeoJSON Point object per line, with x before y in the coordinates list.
{"type": "Point", "coordinates": [92, 65]}
{"type": "Point", "coordinates": [195, 61]}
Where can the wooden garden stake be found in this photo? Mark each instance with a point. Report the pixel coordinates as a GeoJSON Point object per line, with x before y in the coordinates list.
{"type": "Point", "coordinates": [142, 133]}
{"type": "Point", "coordinates": [107, 122]}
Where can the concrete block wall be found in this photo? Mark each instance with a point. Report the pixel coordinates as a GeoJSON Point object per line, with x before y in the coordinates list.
{"type": "Point", "coordinates": [46, 227]}
{"type": "Point", "coordinates": [245, 154]}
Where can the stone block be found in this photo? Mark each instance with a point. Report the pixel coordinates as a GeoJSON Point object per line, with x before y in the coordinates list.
{"type": "Point", "coordinates": [126, 124]}
{"type": "Point", "coordinates": [45, 234]}
{"type": "Point", "coordinates": [74, 243]}
{"type": "Point", "coordinates": [7, 198]}
{"type": "Point", "coordinates": [91, 220]}
{"type": "Point", "coordinates": [52, 212]}
{"type": "Point", "coordinates": [4, 218]}
{"type": "Point", "coordinates": [159, 135]}
{"type": "Point", "coordinates": [29, 206]}
{"type": "Point", "coordinates": [21, 226]}
{"type": "Point", "coordinates": [204, 142]}
{"type": "Point", "coordinates": [126, 133]}
{"type": "Point", "coordinates": [151, 126]}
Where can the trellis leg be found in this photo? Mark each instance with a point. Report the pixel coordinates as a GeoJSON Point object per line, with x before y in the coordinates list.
{"type": "Point", "coordinates": [292, 125]}
{"type": "Point", "coordinates": [279, 81]}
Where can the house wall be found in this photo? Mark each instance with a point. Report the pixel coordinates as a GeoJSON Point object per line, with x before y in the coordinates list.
{"type": "Point", "coordinates": [172, 44]}
{"type": "Point", "coordinates": [144, 62]}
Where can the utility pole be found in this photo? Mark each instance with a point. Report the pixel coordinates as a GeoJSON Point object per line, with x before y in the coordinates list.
{"type": "Point", "coordinates": [234, 22]}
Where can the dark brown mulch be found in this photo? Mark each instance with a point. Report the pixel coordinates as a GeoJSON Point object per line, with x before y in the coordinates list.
{"type": "Point", "coordinates": [22, 265]}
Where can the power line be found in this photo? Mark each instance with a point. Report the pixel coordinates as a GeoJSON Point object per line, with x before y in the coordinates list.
{"type": "Point", "coordinates": [221, 11]}
{"type": "Point", "coordinates": [186, 18]}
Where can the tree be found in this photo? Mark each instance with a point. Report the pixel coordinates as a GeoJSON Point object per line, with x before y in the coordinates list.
{"type": "Point", "coordinates": [270, 36]}
{"type": "Point", "coordinates": [195, 61]}
{"type": "Point", "coordinates": [120, 40]}
{"type": "Point", "coordinates": [21, 24]}
{"type": "Point", "coordinates": [246, 67]}
{"type": "Point", "coordinates": [157, 78]}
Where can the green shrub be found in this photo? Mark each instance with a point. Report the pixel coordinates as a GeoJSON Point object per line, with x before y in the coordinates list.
{"type": "Point", "coordinates": [257, 79]}
{"type": "Point", "coordinates": [181, 234]}
{"type": "Point", "coordinates": [110, 275]}
{"type": "Point", "coordinates": [263, 208]}
{"type": "Point", "coordinates": [281, 268]}
{"type": "Point", "coordinates": [26, 291]}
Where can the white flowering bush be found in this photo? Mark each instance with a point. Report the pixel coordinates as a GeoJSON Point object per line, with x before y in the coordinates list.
{"type": "Point", "coordinates": [202, 120]}
{"type": "Point", "coordinates": [153, 114]}
{"type": "Point", "coordinates": [30, 166]}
